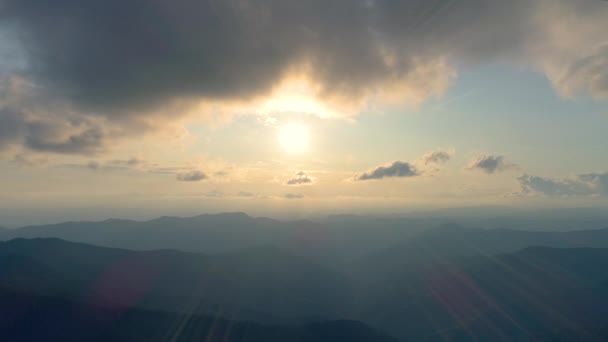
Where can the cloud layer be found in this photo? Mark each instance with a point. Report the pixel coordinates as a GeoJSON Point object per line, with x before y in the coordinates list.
{"type": "Point", "coordinates": [136, 65]}
{"type": "Point", "coordinates": [38, 123]}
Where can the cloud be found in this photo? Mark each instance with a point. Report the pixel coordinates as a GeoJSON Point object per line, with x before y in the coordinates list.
{"type": "Point", "coordinates": [436, 157]}
{"type": "Point", "coordinates": [24, 160]}
{"type": "Point", "coordinates": [122, 76]}
{"type": "Point", "coordinates": [11, 127]}
{"type": "Point", "coordinates": [26, 121]}
{"type": "Point", "coordinates": [245, 194]}
{"type": "Point", "coordinates": [133, 163]}
{"type": "Point", "coordinates": [233, 49]}
{"type": "Point", "coordinates": [93, 165]}
{"type": "Point", "coordinates": [215, 194]}
{"type": "Point", "coordinates": [128, 163]}
{"type": "Point", "coordinates": [301, 178]}
{"type": "Point", "coordinates": [215, 50]}
{"type": "Point", "coordinates": [191, 176]}
{"type": "Point", "coordinates": [583, 184]}
{"type": "Point", "coordinates": [490, 164]}
{"type": "Point", "coordinates": [48, 137]}
{"type": "Point", "coordinates": [597, 181]}
{"type": "Point", "coordinates": [293, 196]}
{"type": "Point", "coordinates": [396, 169]}
{"type": "Point", "coordinates": [588, 73]}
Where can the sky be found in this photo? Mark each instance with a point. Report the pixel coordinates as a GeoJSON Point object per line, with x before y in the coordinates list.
{"type": "Point", "coordinates": [274, 107]}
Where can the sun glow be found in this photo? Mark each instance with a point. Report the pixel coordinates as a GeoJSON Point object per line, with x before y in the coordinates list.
{"type": "Point", "coordinates": [297, 94]}
{"type": "Point", "coordinates": [294, 137]}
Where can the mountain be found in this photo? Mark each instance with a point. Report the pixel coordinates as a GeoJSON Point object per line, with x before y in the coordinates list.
{"type": "Point", "coordinates": [449, 241]}
{"type": "Point", "coordinates": [222, 233]}
{"type": "Point", "coordinates": [538, 293]}
{"type": "Point", "coordinates": [266, 280]}
{"type": "Point", "coordinates": [338, 240]}
{"type": "Point", "coordinates": [35, 318]}
{"type": "Point", "coordinates": [535, 293]}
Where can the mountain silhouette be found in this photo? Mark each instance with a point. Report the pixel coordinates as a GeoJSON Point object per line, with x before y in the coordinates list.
{"type": "Point", "coordinates": [340, 239]}
{"type": "Point", "coordinates": [37, 318]}
{"type": "Point", "coordinates": [536, 292]}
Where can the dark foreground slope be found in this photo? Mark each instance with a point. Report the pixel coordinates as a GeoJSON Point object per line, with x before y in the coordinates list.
{"type": "Point", "coordinates": [536, 293]}
{"type": "Point", "coordinates": [264, 279]}
{"type": "Point", "coordinates": [33, 318]}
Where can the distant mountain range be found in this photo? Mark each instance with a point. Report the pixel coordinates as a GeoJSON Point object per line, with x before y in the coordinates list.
{"type": "Point", "coordinates": [341, 239]}
{"type": "Point", "coordinates": [228, 232]}
{"type": "Point", "coordinates": [434, 287]}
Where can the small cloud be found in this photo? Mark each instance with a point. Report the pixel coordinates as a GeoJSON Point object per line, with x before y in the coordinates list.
{"type": "Point", "coordinates": [581, 185]}
{"type": "Point", "coordinates": [191, 176]}
{"type": "Point", "coordinates": [293, 196]}
{"type": "Point", "coordinates": [490, 164]}
{"type": "Point", "coordinates": [23, 160]}
{"type": "Point", "coordinates": [436, 157]}
{"type": "Point", "coordinates": [396, 169]}
{"type": "Point", "coordinates": [168, 170]}
{"type": "Point", "coordinates": [93, 165]}
{"type": "Point", "coordinates": [301, 178]}
{"type": "Point", "coordinates": [112, 165]}
{"type": "Point", "coordinates": [245, 194]}
{"type": "Point", "coordinates": [215, 194]}
{"type": "Point", "coordinates": [131, 162]}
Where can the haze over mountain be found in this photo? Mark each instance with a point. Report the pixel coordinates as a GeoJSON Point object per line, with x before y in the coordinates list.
{"type": "Point", "coordinates": [366, 170]}
{"type": "Point", "coordinates": [70, 321]}
{"type": "Point", "coordinates": [337, 239]}
{"type": "Point", "coordinates": [429, 287]}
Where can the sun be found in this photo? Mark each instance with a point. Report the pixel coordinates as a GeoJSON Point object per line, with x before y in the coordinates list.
{"type": "Point", "coordinates": [294, 137]}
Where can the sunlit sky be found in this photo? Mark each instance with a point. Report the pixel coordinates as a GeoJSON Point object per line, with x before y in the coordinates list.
{"type": "Point", "coordinates": [269, 107]}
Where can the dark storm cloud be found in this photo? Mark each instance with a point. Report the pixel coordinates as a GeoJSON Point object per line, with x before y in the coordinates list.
{"type": "Point", "coordinates": [139, 63]}
{"type": "Point", "coordinates": [69, 137]}
{"type": "Point", "coordinates": [11, 127]}
{"type": "Point", "coordinates": [191, 176]}
{"type": "Point", "coordinates": [490, 164]}
{"type": "Point", "coordinates": [583, 184]}
{"type": "Point", "coordinates": [301, 178]}
{"type": "Point", "coordinates": [46, 137]}
{"type": "Point", "coordinates": [397, 169]}
{"type": "Point", "coordinates": [122, 53]}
